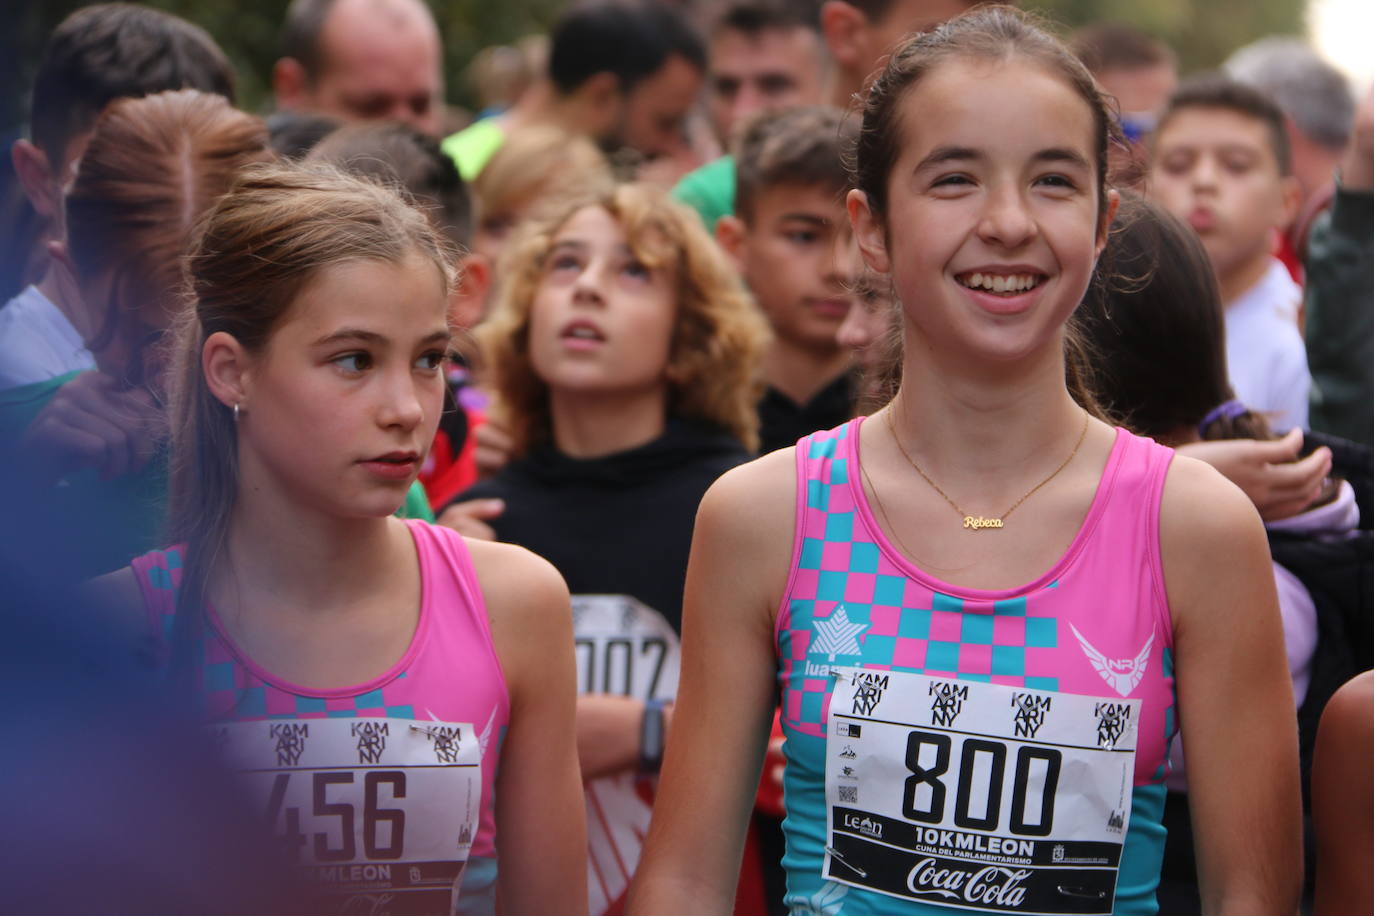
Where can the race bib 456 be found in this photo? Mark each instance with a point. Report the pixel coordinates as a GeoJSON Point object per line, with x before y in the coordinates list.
{"type": "Point", "coordinates": [977, 796]}
{"type": "Point", "coordinates": [380, 813]}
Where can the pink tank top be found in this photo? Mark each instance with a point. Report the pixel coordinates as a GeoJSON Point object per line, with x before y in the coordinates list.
{"type": "Point", "coordinates": [441, 708]}
{"type": "Point", "coordinates": [1096, 625]}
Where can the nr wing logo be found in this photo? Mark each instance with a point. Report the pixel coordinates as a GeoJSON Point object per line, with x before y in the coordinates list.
{"type": "Point", "coordinates": [1121, 674]}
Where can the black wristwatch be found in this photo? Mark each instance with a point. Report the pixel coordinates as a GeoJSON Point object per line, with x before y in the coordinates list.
{"type": "Point", "coordinates": [651, 737]}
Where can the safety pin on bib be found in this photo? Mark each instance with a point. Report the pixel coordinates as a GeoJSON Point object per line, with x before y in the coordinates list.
{"type": "Point", "coordinates": [1084, 893]}
{"type": "Point", "coordinates": [834, 853]}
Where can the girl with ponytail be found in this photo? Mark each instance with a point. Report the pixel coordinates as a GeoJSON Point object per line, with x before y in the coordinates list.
{"type": "Point", "coordinates": [401, 699]}
{"type": "Point", "coordinates": [983, 611]}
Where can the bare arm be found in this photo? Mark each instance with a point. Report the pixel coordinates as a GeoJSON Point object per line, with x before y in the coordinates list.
{"type": "Point", "coordinates": [608, 732]}
{"type": "Point", "coordinates": [1235, 700]}
{"type": "Point", "coordinates": [1278, 482]}
{"type": "Point", "coordinates": [740, 554]}
{"type": "Point", "coordinates": [541, 821]}
{"type": "Point", "coordinates": [116, 599]}
{"type": "Point", "coordinates": [1343, 800]}
{"type": "Point", "coordinates": [91, 422]}
{"type": "Point", "coordinates": [469, 517]}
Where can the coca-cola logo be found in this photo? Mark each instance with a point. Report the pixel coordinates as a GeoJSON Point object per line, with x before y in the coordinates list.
{"type": "Point", "coordinates": [991, 885]}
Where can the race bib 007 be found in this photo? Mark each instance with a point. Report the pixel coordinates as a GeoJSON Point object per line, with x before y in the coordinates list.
{"type": "Point", "coordinates": [380, 813]}
{"type": "Point", "coordinates": [623, 647]}
{"type": "Point", "coordinates": [977, 796]}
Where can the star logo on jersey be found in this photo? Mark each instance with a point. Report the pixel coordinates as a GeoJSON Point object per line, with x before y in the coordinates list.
{"type": "Point", "coordinates": [1121, 674]}
{"type": "Point", "coordinates": [835, 635]}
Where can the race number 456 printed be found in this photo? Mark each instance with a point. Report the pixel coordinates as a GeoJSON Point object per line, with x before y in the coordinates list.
{"type": "Point", "coordinates": [977, 796]}
{"type": "Point", "coordinates": [380, 813]}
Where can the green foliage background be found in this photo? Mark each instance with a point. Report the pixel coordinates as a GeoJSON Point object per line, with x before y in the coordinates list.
{"type": "Point", "coordinates": [1202, 31]}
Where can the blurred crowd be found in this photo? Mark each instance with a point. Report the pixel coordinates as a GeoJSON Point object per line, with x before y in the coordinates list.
{"type": "Point", "coordinates": [652, 277]}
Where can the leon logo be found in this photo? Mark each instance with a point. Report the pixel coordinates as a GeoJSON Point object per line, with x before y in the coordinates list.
{"type": "Point", "coordinates": [446, 739]}
{"type": "Point", "coordinates": [290, 741]}
{"type": "Point", "coordinates": [836, 635]}
{"type": "Point", "coordinates": [866, 825]}
{"type": "Point", "coordinates": [948, 702]}
{"type": "Point", "coordinates": [371, 740]}
{"type": "Point", "coordinates": [868, 690]}
{"type": "Point", "coordinates": [1121, 674]}
{"type": "Point", "coordinates": [1112, 719]}
{"type": "Point", "coordinates": [1030, 713]}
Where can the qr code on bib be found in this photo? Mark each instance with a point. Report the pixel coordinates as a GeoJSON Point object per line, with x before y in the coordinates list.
{"type": "Point", "coordinates": [849, 795]}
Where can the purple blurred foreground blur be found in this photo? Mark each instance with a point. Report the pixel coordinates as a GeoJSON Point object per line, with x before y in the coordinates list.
{"type": "Point", "coordinates": [112, 805]}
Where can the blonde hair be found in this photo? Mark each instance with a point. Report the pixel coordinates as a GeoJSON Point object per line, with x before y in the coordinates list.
{"type": "Point", "coordinates": [718, 339]}
{"type": "Point", "coordinates": [536, 163]}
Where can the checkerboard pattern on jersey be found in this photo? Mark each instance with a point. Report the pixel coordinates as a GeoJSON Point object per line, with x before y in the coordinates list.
{"type": "Point", "coordinates": [852, 604]}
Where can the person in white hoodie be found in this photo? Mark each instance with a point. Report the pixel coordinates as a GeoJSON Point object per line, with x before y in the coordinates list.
{"type": "Point", "coordinates": [1221, 162]}
{"type": "Point", "coordinates": [1160, 338]}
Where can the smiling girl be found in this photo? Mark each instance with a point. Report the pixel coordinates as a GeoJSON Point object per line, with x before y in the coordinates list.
{"type": "Point", "coordinates": [400, 699]}
{"type": "Point", "coordinates": [624, 358]}
{"type": "Point", "coordinates": [987, 610]}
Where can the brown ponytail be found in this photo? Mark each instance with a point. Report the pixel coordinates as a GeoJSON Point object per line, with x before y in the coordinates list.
{"type": "Point", "coordinates": [153, 166]}
{"type": "Point", "coordinates": [256, 250]}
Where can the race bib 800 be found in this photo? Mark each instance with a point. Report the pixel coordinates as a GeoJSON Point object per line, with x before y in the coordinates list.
{"type": "Point", "coordinates": [380, 813]}
{"type": "Point", "coordinates": [977, 796]}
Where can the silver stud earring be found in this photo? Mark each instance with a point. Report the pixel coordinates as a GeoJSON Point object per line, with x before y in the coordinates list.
{"type": "Point", "coordinates": [236, 411]}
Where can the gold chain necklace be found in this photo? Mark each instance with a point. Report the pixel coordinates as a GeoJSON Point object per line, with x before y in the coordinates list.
{"type": "Point", "coordinates": [883, 509]}
{"type": "Point", "coordinates": [978, 522]}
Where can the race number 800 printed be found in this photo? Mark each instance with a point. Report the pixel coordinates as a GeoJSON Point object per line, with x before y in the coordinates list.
{"type": "Point", "coordinates": [977, 796]}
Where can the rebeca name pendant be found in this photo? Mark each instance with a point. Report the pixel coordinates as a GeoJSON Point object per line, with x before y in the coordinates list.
{"type": "Point", "coordinates": [979, 522]}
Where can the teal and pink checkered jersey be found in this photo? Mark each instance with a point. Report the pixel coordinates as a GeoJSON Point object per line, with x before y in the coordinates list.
{"type": "Point", "coordinates": [382, 791]}
{"type": "Point", "coordinates": [953, 749]}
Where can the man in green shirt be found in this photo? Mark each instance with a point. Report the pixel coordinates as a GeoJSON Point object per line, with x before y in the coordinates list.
{"type": "Point", "coordinates": [762, 55]}
{"type": "Point", "coordinates": [625, 74]}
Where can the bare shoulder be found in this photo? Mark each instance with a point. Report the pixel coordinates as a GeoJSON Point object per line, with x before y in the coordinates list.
{"type": "Point", "coordinates": [1212, 545]}
{"type": "Point", "coordinates": [753, 497]}
{"type": "Point", "coordinates": [118, 595]}
{"type": "Point", "coordinates": [519, 586]}
{"type": "Point", "coordinates": [1204, 518]}
{"type": "Point", "coordinates": [1348, 721]}
{"type": "Point", "coordinates": [742, 544]}
{"type": "Point", "coordinates": [1200, 504]}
